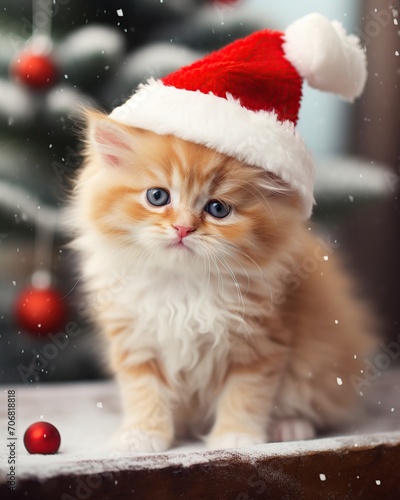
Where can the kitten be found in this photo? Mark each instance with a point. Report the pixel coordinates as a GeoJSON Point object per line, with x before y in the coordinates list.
{"type": "Point", "coordinates": [234, 322]}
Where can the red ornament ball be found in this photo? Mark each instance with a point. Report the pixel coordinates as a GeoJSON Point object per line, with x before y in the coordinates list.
{"type": "Point", "coordinates": [42, 438]}
{"type": "Point", "coordinates": [40, 310]}
{"type": "Point", "coordinates": [35, 70]}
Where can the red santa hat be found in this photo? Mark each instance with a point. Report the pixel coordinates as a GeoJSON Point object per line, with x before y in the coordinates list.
{"type": "Point", "coordinates": [244, 99]}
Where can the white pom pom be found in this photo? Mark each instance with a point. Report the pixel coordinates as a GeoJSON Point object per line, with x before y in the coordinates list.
{"type": "Point", "coordinates": [325, 56]}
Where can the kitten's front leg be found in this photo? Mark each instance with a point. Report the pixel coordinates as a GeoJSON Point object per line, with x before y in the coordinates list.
{"type": "Point", "coordinates": [244, 407]}
{"type": "Point", "coordinates": [148, 423]}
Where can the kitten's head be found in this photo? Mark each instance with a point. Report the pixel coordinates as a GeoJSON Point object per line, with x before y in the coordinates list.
{"type": "Point", "coordinates": [176, 203]}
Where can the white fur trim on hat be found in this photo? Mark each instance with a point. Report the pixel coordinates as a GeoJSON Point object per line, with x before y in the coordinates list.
{"type": "Point", "coordinates": [256, 137]}
{"type": "Point", "coordinates": [325, 56]}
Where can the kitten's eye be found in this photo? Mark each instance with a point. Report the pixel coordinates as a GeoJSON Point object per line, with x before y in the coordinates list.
{"type": "Point", "coordinates": [157, 197]}
{"type": "Point", "coordinates": [217, 209]}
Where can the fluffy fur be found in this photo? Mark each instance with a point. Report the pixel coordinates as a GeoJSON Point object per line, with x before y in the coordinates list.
{"type": "Point", "coordinates": [225, 334]}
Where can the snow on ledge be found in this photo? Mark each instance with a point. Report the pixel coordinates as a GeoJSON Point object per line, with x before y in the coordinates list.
{"type": "Point", "coordinates": [87, 414]}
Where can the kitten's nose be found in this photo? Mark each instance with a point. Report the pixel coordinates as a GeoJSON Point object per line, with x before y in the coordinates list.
{"type": "Point", "coordinates": [183, 231]}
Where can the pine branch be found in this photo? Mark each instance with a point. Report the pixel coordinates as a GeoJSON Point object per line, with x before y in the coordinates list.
{"type": "Point", "coordinates": [30, 208]}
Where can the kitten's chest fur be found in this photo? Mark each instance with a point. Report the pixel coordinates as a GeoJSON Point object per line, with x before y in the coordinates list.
{"type": "Point", "coordinates": [183, 317]}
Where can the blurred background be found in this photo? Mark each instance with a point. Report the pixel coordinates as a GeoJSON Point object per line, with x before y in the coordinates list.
{"type": "Point", "coordinates": [55, 56]}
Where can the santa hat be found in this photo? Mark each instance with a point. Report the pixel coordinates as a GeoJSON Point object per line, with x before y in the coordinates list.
{"type": "Point", "coordinates": [244, 99]}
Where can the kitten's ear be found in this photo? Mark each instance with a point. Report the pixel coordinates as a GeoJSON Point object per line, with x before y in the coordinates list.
{"type": "Point", "coordinates": [109, 139]}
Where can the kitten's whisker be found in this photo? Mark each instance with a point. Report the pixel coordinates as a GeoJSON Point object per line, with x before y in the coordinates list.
{"type": "Point", "coordinates": [222, 260]}
{"type": "Point", "coordinates": [220, 281]}
{"type": "Point", "coordinates": [137, 259]}
{"type": "Point", "coordinates": [244, 254]}
{"type": "Point", "coordinates": [125, 248]}
{"type": "Point", "coordinates": [226, 252]}
{"type": "Point", "coordinates": [263, 197]}
{"type": "Point", "coordinates": [210, 257]}
{"type": "Point", "coordinates": [206, 270]}
{"type": "Point", "coordinates": [153, 247]}
{"type": "Point", "coordinates": [238, 250]}
{"type": "Point", "coordinates": [225, 264]}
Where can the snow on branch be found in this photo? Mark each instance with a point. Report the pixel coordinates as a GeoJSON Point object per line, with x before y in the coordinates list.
{"type": "Point", "coordinates": [30, 208]}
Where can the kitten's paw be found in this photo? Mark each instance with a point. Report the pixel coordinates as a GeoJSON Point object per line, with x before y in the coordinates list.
{"type": "Point", "coordinates": [234, 440]}
{"type": "Point", "coordinates": [292, 429]}
{"type": "Point", "coordinates": [140, 441]}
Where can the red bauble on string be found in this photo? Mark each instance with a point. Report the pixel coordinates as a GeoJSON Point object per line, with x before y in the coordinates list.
{"type": "Point", "coordinates": [40, 310]}
{"type": "Point", "coordinates": [42, 438]}
{"type": "Point", "coordinates": [34, 70]}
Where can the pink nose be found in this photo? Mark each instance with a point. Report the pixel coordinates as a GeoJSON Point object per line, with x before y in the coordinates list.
{"type": "Point", "coordinates": [183, 231]}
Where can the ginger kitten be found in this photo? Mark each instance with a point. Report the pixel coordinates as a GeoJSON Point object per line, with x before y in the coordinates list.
{"type": "Point", "coordinates": [215, 332]}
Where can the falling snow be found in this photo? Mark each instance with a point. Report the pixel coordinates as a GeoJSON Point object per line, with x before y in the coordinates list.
{"type": "Point", "coordinates": [339, 381]}
{"type": "Point", "coordinates": [99, 404]}
{"type": "Point", "coordinates": [322, 477]}
{"type": "Point", "coordinates": [377, 481]}
{"type": "Point", "coordinates": [326, 257]}
{"type": "Point", "coordinates": [120, 12]}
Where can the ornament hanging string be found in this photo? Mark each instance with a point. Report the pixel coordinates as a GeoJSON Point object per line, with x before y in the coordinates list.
{"type": "Point", "coordinates": [42, 14]}
{"type": "Point", "coordinates": [44, 241]}
{"type": "Point", "coordinates": [45, 220]}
